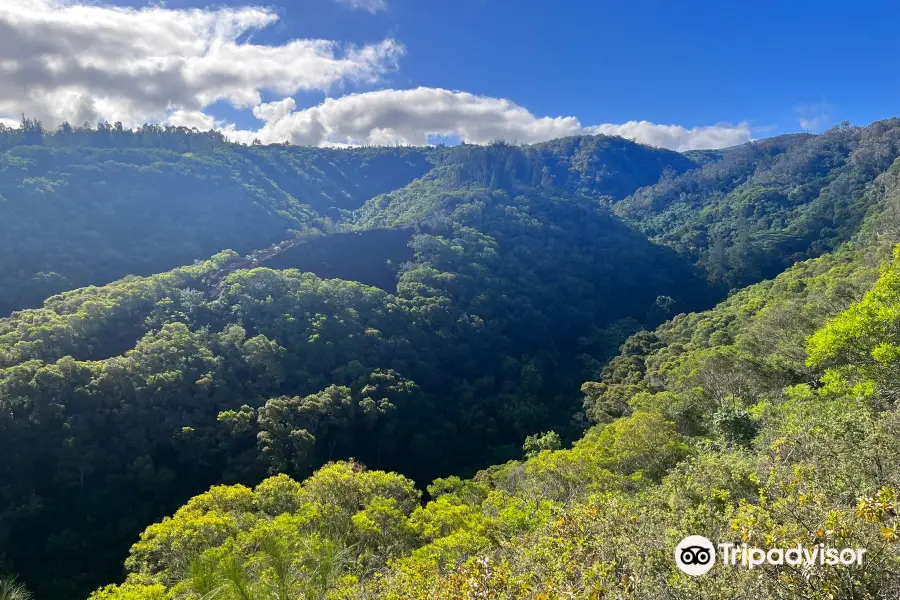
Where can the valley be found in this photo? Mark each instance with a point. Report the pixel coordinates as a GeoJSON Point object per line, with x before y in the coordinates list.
{"type": "Point", "coordinates": [439, 364]}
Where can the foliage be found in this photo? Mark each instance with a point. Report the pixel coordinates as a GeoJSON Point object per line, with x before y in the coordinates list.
{"type": "Point", "coordinates": [822, 470]}
{"type": "Point", "coordinates": [767, 204]}
{"type": "Point", "coordinates": [860, 346]}
{"type": "Point", "coordinates": [125, 400]}
{"type": "Point", "coordinates": [82, 206]}
{"type": "Point", "coordinates": [121, 403]}
{"type": "Point", "coordinates": [717, 423]}
{"type": "Point", "coordinates": [537, 443]}
{"type": "Point", "coordinates": [89, 207]}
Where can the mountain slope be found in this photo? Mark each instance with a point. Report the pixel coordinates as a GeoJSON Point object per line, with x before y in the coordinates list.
{"type": "Point", "coordinates": [124, 400]}
{"type": "Point", "coordinates": [769, 420]}
{"type": "Point", "coordinates": [767, 204]}
{"type": "Point", "coordinates": [599, 165]}
{"type": "Point", "coordinates": [86, 207]}
{"type": "Point", "coordinates": [498, 294]}
{"type": "Point", "coordinates": [73, 216]}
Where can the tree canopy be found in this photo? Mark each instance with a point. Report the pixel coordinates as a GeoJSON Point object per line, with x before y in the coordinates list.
{"type": "Point", "coordinates": [499, 372]}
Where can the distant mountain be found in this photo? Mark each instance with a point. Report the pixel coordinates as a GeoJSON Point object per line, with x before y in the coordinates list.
{"type": "Point", "coordinates": [760, 207]}
{"type": "Point", "coordinates": [86, 207]}
{"type": "Point", "coordinates": [74, 216]}
{"type": "Point", "coordinates": [600, 165]}
{"type": "Point", "coordinates": [595, 168]}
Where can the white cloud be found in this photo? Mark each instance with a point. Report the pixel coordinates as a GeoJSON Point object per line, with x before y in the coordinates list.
{"type": "Point", "coordinates": [77, 60]}
{"type": "Point", "coordinates": [373, 6]}
{"type": "Point", "coordinates": [191, 119]}
{"type": "Point", "coordinates": [62, 60]}
{"type": "Point", "coordinates": [677, 137]}
{"type": "Point", "coordinates": [388, 117]}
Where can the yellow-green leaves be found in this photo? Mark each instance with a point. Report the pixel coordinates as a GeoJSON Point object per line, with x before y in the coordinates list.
{"type": "Point", "coordinates": [131, 591]}
{"type": "Point", "coordinates": [862, 344]}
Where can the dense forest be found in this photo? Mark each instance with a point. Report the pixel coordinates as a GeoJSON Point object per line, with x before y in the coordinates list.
{"type": "Point", "coordinates": [86, 207]}
{"type": "Point", "coordinates": [386, 397]}
{"type": "Point", "coordinates": [89, 207]}
{"type": "Point", "coordinates": [761, 207]}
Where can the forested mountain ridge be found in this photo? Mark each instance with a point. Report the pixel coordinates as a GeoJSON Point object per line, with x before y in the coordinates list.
{"type": "Point", "coordinates": [596, 168]}
{"type": "Point", "coordinates": [509, 281]}
{"type": "Point", "coordinates": [599, 165]}
{"type": "Point", "coordinates": [765, 205]}
{"type": "Point", "coordinates": [80, 206]}
{"type": "Point", "coordinates": [77, 215]}
{"type": "Point", "coordinates": [770, 420]}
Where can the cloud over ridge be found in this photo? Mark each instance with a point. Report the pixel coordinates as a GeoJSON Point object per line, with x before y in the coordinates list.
{"type": "Point", "coordinates": [64, 60]}
{"type": "Point", "coordinates": [412, 116]}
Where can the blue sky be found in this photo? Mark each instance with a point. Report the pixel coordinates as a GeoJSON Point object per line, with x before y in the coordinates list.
{"type": "Point", "coordinates": [759, 68]}
{"type": "Point", "coordinates": [691, 63]}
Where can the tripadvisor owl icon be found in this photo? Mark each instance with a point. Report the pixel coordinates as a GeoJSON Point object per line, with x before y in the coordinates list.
{"type": "Point", "coordinates": [695, 555]}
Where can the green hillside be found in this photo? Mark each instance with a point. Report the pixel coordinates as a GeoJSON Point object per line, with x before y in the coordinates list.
{"type": "Point", "coordinates": [361, 373]}
{"type": "Point", "coordinates": [765, 205]}
{"type": "Point", "coordinates": [770, 419]}
{"type": "Point", "coordinates": [87, 207]}
{"type": "Point", "coordinates": [88, 211]}
{"type": "Point", "coordinates": [125, 400]}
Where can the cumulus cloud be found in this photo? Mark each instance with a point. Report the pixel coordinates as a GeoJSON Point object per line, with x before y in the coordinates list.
{"type": "Point", "coordinates": [78, 60]}
{"type": "Point", "coordinates": [388, 117]}
{"type": "Point", "coordinates": [74, 61]}
{"type": "Point", "coordinates": [677, 137]}
{"type": "Point", "coordinates": [191, 119]}
{"type": "Point", "coordinates": [373, 6]}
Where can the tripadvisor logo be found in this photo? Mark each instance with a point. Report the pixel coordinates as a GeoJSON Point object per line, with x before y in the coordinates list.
{"type": "Point", "coordinates": [696, 555]}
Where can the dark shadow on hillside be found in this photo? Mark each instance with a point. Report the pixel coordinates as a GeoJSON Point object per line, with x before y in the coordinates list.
{"type": "Point", "coordinates": [370, 257]}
